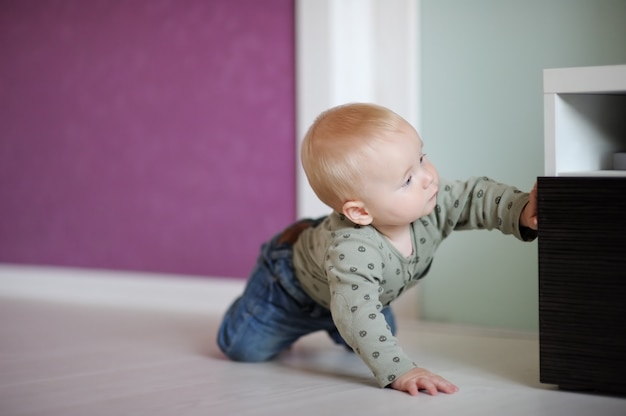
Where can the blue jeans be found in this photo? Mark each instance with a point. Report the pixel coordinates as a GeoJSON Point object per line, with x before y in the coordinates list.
{"type": "Point", "coordinates": [274, 311]}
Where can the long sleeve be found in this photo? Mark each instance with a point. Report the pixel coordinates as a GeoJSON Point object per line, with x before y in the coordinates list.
{"type": "Point", "coordinates": [360, 271]}
{"type": "Point", "coordinates": [481, 203]}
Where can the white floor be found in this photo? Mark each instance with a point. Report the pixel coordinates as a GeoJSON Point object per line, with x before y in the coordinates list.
{"type": "Point", "coordinates": [69, 358]}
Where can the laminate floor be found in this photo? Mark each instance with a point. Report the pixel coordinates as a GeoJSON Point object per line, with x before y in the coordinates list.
{"type": "Point", "coordinates": [69, 359]}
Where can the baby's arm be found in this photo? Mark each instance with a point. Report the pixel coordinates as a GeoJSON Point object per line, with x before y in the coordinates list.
{"type": "Point", "coordinates": [422, 379]}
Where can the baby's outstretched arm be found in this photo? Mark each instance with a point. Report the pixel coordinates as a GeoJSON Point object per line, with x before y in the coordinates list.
{"type": "Point", "coordinates": [528, 217]}
{"type": "Point", "coordinates": [422, 379]}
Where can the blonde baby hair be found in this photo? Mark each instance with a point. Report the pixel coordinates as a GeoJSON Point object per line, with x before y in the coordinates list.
{"type": "Point", "coordinates": [339, 144]}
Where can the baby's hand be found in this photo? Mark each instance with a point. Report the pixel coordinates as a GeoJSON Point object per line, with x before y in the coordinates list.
{"type": "Point", "coordinates": [528, 218]}
{"type": "Point", "coordinates": [422, 379]}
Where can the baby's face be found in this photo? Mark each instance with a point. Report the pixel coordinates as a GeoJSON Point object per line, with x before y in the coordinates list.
{"type": "Point", "coordinates": [401, 185]}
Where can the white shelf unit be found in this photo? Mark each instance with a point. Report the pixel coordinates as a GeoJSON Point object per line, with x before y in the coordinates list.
{"type": "Point", "coordinates": [585, 120]}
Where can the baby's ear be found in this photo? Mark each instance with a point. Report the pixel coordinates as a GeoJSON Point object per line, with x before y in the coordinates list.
{"type": "Point", "coordinates": [356, 212]}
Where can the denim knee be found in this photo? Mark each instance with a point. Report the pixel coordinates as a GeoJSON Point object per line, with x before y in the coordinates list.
{"type": "Point", "coordinates": [243, 353]}
{"type": "Point", "coordinates": [235, 336]}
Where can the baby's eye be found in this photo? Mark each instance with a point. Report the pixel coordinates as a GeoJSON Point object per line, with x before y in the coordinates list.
{"type": "Point", "coordinates": [422, 157]}
{"type": "Point", "coordinates": [408, 181]}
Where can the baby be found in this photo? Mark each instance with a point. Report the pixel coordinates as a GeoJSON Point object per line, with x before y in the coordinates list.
{"type": "Point", "coordinates": [341, 272]}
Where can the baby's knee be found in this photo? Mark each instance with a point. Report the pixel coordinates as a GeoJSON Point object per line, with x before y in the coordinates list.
{"type": "Point", "coordinates": [244, 354]}
{"type": "Point", "coordinates": [241, 349]}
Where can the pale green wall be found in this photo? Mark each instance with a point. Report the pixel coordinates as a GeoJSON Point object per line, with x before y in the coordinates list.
{"type": "Point", "coordinates": [482, 114]}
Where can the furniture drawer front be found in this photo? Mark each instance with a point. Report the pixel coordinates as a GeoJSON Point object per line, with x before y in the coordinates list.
{"type": "Point", "coordinates": [582, 282]}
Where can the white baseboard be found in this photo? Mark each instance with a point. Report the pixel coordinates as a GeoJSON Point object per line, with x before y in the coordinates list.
{"type": "Point", "coordinates": [119, 288]}
{"type": "Point", "coordinates": [137, 289]}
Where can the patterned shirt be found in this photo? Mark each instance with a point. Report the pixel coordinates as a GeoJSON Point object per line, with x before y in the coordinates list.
{"type": "Point", "coordinates": [355, 271]}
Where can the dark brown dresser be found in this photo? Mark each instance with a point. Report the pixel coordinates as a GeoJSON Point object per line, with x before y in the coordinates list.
{"type": "Point", "coordinates": [582, 282]}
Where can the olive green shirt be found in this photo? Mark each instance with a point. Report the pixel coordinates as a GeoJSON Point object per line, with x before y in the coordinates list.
{"type": "Point", "coordinates": [355, 271]}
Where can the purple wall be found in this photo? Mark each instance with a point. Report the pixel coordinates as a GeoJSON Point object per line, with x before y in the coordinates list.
{"type": "Point", "coordinates": [151, 135]}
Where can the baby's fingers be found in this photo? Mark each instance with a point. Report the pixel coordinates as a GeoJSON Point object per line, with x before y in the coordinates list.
{"type": "Point", "coordinates": [447, 387]}
{"type": "Point", "coordinates": [427, 385]}
{"type": "Point", "coordinates": [437, 384]}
